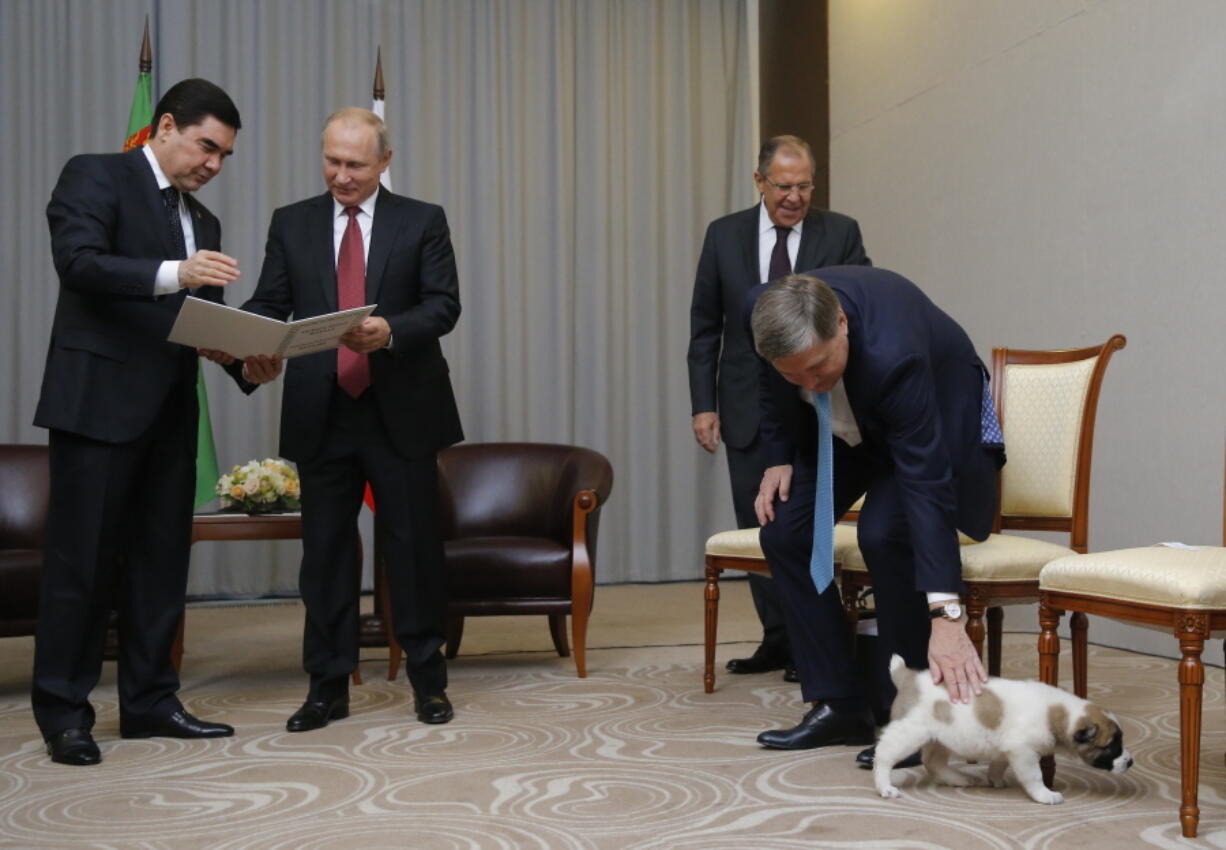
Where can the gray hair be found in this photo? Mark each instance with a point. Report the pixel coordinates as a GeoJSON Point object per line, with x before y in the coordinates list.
{"type": "Point", "coordinates": [358, 115]}
{"type": "Point", "coordinates": [792, 144]}
{"type": "Point", "coordinates": [792, 314]}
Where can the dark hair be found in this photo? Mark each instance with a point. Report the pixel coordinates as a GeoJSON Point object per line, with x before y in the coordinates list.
{"type": "Point", "coordinates": [190, 101]}
{"type": "Point", "coordinates": [773, 145]}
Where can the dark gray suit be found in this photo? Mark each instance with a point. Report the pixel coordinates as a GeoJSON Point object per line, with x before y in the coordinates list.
{"type": "Point", "coordinates": [120, 402]}
{"type": "Point", "coordinates": [724, 367]}
{"type": "Point", "coordinates": [389, 436]}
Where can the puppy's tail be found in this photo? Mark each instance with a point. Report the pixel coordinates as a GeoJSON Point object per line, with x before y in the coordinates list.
{"type": "Point", "coordinates": [898, 670]}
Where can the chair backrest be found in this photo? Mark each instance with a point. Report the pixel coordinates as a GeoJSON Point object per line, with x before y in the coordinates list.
{"type": "Point", "coordinates": [1047, 401]}
{"type": "Point", "coordinates": [518, 489]}
{"type": "Point", "coordinates": [25, 493]}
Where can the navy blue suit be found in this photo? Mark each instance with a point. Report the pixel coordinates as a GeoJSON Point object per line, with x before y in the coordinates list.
{"type": "Point", "coordinates": [915, 386]}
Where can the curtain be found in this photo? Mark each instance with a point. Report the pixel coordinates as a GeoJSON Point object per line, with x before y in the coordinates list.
{"type": "Point", "coordinates": [579, 149]}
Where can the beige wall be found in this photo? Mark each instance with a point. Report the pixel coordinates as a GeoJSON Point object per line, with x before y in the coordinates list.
{"type": "Point", "coordinates": [1052, 172]}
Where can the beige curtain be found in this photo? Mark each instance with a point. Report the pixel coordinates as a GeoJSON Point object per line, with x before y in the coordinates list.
{"type": "Point", "coordinates": [579, 148]}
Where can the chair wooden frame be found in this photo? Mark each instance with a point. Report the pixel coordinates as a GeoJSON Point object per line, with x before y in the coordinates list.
{"type": "Point", "coordinates": [1191, 627]}
{"type": "Point", "coordinates": [983, 598]}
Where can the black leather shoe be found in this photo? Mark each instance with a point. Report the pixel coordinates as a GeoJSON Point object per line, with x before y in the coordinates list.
{"type": "Point", "coordinates": [763, 660]}
{"type": "Point", "coordinates": [435, 708]}
{"type": "Point", "coordinates": [315, 714]}
{"type": "Point", "coordinates": [822, 727]}
{"type": "Point", "coordinates": [789, 673]}
{"type": "Point", "coordinates": [177, 725]}
{"type": "Point", "coordinates": [865, 759]}
{"type": "Point", "coordinates": [73, 746]}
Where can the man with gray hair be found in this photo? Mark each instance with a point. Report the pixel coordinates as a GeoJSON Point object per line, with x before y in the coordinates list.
{"type": "Point", "coordinates": [784, 231]}
{"type": "Point", "coordinates": [377, 410]}
{"type": "Point", "coordinates": [869, 389]}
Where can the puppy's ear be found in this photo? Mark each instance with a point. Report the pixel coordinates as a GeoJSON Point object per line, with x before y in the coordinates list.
{"type": "Point", "coordinates": [1086, 734]}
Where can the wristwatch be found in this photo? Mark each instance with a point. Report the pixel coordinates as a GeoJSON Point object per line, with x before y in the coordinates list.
{"type": "Point", "coordinates": [949, 611]}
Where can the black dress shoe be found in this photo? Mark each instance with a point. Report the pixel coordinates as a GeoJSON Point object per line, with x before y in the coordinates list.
{"type": "Point", "coordinates": [435, 708]}
{"type": "Point", "coordinates": [865, 759]}
{"type": "Point", "coordinates": [789, 673]}
{"type": "Point", "coordinates": [315, 714]}
{"type": "Point", "coordinates": [822, 727]}
{"type": "Point", "coordinates": [73, 746]}
{"type": "Point", "coordinates": [177, 725]}
{"type": "Point", "coordinates": [762, 661]}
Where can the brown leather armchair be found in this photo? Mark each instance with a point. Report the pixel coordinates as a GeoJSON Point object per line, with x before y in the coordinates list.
{"type": "Point", "coordinates": [519, 527]}
{"type": "Point", "coordinates": [25, 491]}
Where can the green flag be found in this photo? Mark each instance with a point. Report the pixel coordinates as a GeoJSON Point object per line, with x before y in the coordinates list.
{"type": "Point", "coordinates": [139, 119]}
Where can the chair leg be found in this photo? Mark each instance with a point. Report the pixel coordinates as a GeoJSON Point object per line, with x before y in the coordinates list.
{"type": "Point", "coordinates": [557, 630]}
{"type": "Point", "coordinates": [580, 608]}
{"type": "Point", "coordinates": [975, 609]}
{"type": "Point", "coordinates": [1049, 671]}
{"type": "Point", "coordinates": [1191, 688]}
{"type": "Point", "coordinates": [455, 633]}
{"type": "Point", "coordinates": [1079, 625]}
{"type": "Point", "coordinates": [996, 635]}
{"type": "Point", "coordinates": [176, 649]}
{"type": "Point", "coordinates": [711, 618]}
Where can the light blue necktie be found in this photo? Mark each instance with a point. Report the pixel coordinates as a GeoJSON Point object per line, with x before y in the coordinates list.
{"type": "Point", "coordinates": [821, 562]}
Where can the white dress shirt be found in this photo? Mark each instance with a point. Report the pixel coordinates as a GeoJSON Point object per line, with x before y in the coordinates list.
{"type": "Point", "coordinates": [167, 279]}
{"type": "Point", "coordinates": [766, 242]}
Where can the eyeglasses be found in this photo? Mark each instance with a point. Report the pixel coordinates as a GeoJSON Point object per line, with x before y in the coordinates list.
{"type": "Point", "coordinates": [789, 188]}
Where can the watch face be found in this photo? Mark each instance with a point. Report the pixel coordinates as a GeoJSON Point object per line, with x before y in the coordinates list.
{"type": "Point", "coordinates": [953, 611]}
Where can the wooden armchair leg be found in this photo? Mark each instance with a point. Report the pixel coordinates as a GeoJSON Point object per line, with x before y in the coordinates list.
{"type": "Point", "coordinates": [176, 649]}
{"type": "Point", "coordinates": [975, 630]}
{"type": "Point", "coordinates": [710, 620]}
{"type": "Point", "coordinates": [1079, 625]}
{"type": "Point", "coordinates": [1191, 687]}
{"type": "Point", "coordinates": [1049, 671]}
{"type": "Point", "coordinates": [557, 630]}
{"type": "Point", "coordinates": [581, 607]}
{"type": "Point", "coordinates": [996, 635]}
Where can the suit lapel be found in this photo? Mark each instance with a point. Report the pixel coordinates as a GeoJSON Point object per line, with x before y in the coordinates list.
{"type": "Point", "coordinates": [205, 234]}
{"type": "Point", "coordinates": [151, 198]}
{"type": "Point", "coordinates": [811, 237]}
{"type": "Point", "coordinates": [320, 227]}
{"type": "Point", "coordinates": [749, 241]}
{"type": "Point", "coordinates": [388, 216]}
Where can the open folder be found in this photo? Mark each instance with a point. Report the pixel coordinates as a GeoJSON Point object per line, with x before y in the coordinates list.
{"type": "Point", "coordinates": [205, 324]}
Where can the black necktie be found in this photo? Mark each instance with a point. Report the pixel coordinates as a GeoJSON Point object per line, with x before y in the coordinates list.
{"type": "Point", "coordinates": [170, 196]}
{"type": "Point", "coordinates": [781, 265]}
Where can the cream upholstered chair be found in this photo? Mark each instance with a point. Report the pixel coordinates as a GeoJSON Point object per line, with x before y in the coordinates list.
{"type": "Point", "coordinates": [1046, 402]}
{"type": "Point", "coordinates": [1183, 590]}
{"type": "Point", "coordinates": [739, 550]}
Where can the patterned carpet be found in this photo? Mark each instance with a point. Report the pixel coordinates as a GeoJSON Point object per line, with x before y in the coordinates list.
{"type": "Point", "coordinates": [635, 756]}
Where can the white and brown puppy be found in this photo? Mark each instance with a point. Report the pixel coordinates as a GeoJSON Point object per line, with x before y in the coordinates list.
{"type": "Point", "coordinates": [1012, 723]}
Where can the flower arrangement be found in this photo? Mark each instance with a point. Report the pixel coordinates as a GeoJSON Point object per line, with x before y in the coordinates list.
{"type": "Point", "coordinates": [260, 487]}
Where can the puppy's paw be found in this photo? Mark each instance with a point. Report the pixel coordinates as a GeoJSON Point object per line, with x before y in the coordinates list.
{"type": "Point", "coordinates": [1047, 797]}
{"type": "Point", "coordinates": [889, 792]}
{"type": "Point", "coordinates": [997, 781]}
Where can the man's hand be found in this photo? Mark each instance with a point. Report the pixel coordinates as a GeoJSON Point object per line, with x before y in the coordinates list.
{"type": "Point", "coordinates": [261, 368]}
{"type": "Point", "coordinates": [776, 481]}
{"type": "Point", "coordinates": [218, 357]}
{"type": "Point", "coordinates": [706, 429]}
{"type": "Point", "coordinates": [952, 659]}
{"type": "Point", "coordinates": [207, 268]}
{"type": "Point", "coordinates": [371, 335]}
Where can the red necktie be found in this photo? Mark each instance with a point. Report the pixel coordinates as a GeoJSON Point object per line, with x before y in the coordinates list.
{"type": "Point", "coordinates": [352, 369]}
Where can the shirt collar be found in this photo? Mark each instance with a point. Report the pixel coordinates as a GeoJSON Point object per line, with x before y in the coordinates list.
{"type": "Point", "coordinates": [367, 206]}
{"type": "Point", "coordinates": [158, 174]}
{"type": "Point", "coordinates": [765, 225]}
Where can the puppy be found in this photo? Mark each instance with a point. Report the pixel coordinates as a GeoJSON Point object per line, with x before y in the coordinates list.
{"type": "Point", "coordinates": [1012, 723]}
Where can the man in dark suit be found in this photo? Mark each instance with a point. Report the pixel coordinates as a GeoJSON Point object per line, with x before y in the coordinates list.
{"type": "Point", "coordinates": [911, 431]}
{"type": "Point", "coordinates": [781, 233]}
{"type": "Point", "coordinates": [378, 409]}
{"type": "Point", "coordinates": [129, 241]}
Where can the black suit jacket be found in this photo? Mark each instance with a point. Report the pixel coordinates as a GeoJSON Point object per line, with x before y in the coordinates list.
{"type": "Point", "coordinates": [722, 363]}
{"type": "Point", "coordinates": [109, 366]}
{"type": "Point", "coordinates": [411, 276]}
{"type": "Point", "coordinates": [915, 385]}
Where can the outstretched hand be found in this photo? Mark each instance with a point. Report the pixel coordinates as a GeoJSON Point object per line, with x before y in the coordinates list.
{"type": "Point", "coordinates": [952, 659]}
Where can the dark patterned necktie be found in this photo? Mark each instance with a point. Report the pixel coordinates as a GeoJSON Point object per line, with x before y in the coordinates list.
{"type": "Point", "coordinates": [781, 264]}
{"type": "Point", "coordinates": [352, 369]}
{"type": "Point", "coordinates": [170, 197]}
